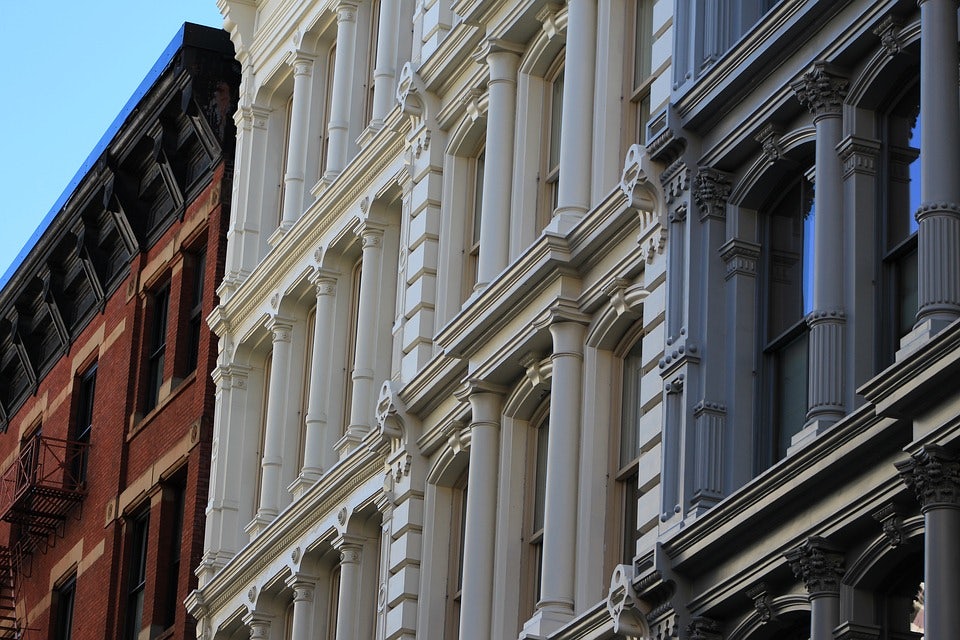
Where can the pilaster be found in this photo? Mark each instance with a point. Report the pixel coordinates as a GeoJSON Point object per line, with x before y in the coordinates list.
{"type": "Point", "coordinates": [296, 143]}
{"type": "Point", "coordinates": [348, 602]}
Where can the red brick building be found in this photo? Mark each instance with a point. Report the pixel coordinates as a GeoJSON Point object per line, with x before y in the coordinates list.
{"type": "Point", "coordinates": [106, 400]}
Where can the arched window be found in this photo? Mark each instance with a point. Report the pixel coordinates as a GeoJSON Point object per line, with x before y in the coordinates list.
{"type": "Point", "coordinates": [473, 206]}
{"type": "Point", "coordinates": [458, 517]}
{"type": "Point", "coordinates": [628, 464]}
{"type": "Point", "coordinates": [640, 19]}
{"type": "Point", "coordinates": [788, 289]}
{"type": "Point", "coordinates": [351, 343]}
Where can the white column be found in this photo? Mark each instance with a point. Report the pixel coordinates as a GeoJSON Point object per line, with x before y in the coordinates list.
{"type": "Point", "coordinates": [481, 513]}
{"type": "Point", "coordinates": [934, 475]}
{"type": "Point", "coordinates": [502, 59]}
{"type": "Point", "coordinates": [822, 92]}
{"type": "Point", "coordinates": [361, 404]}
{"type": "Point", "coordinates": [272, 460]}
{"type": "Point", "coordinates": [576, 127]}
{"type": "Point", "coordinates": [563, 453]}
{"type": "Point", "coordinates": [297, 143]}
{"type": "Point", "coordinates": [939, 214]}
{"type": "Point", "coordinates": [318, 445]}
{"type": "Point", "coordinates": [303, 590]}
{"type": "Point", "coordinates": [348, 604]}
{"type": "Point", "coordinates": [342, 82]}
{"type": "Point", "coordinates": [385, 72]}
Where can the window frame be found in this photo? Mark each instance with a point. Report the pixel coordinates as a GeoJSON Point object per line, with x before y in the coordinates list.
{"type": "Point", "coordinates": [158, 323]}
{"type": "Point", "coordinates": [82, 427]}
{"type": "Point", "coordinates": [64, 604]}
{"type": "Point", "coordinates": [138, 539]}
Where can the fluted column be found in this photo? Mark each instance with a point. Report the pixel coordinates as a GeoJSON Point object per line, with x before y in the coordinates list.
{"type": "Point", "coordinates": [318, 445]}
{"type": "Point", "coordinates": [563, 452]}
{"type": "Point", "coordinates": [822, 92]}
{"type": "Point", "coordinates": [348, 603]}
{"type": "Point", "coordinates": [934, 474]}
{"type": "Point", "coordinates": [385, 72]}
{"type": "Point", "coordinates": [576, 126]}
{"type": "Point", "coordinates": [272, 460]}
{"type": "Point", "coordinates": [303, 590]}
{"type": "Point", "coordinates": [476, 606]}
{"type": "Point", "coordinates": [341, 99]}
{"type": "Point", "coordinates": [502, 59]}
{"type": "Point", "coordinates": [362, 401]}
{"type": "Point", "coordinates": [297, 142]}
{"type": "Point", "coordinates": [939, 213]}
{"type": "Point", "coordinates": [820, 566]}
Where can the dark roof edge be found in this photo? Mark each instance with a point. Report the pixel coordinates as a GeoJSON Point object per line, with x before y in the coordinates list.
{"type": "Point", "coordinates": [190, 34]}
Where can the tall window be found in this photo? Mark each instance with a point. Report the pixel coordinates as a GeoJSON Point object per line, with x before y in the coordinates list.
{"type": "Point", "coordinates": [550, 163]}
{"type": "Point", "coordinates": [287, 123]}
{"type": "Point", "coordinates": [472, 230]}
{"type": "Point", "coordinates": [195, 319]}
{"type": "Point", "coordinates": [458, 521]}
{"type": "Point", "coordinates": [641, 22]}
{"type": "Point", "coordinates": [157, 346]}
{"type": "Point", "coordinates": [83, 424]}
{"type": "Point", "coordinates": [628, 467]}
{"type": "Point", "coordinates": [136, 573]}
{"type": "Point", "coordinates": [789, 293]}
{"type": "Point", "coordinates": [537, 499]}
{"type": "Point", "coordinates": [902, 200]}
{"type": "Point", "coordinates": [327, 105]}
{"type": "Point", "coordinates": [174, 538]}
{"type": "Point", "coordinates": [371, 60]}
{"type": "Point", "coordinates": [351, 350]}
{"type": "Point", "coordinates": [64, 597]}
{"type": "Point", "coordinates": [333, 606]}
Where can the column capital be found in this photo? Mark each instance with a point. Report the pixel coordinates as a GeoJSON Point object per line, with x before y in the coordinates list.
{"type": "Point", "coordinates": [821, 90]}
{"type": "Point", "coordinates": [303, 587]}
{"type": "Point", "coordinates": [702, 628]}
{"type": "Point", "coordinates": [711, 190]}
{"type": "Point", "coordinates": [934, 474]}
{"type": "Point", "coordinates": [476, 386]}
{"type": "Point", "coordinates": [325, 283]}
{"type": "Point", "coordinates": [259, 625]}
{"type": "Point", "coordinates": [280, 328]}
{"type": "Point", "coordinates": [504, 66]}
{"type": "Point", "coordinates": [302, 63]}
{"type": "Point", "coordinates": [347, 10]}
{"type": "Point", "coordinates": [350, 547]}
{"type": "Point", "coordinates": [819, 564]}
{"type": "Point", "coordinates": [371, 234]}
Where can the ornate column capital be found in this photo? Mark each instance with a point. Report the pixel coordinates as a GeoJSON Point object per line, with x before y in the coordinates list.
{"type": "Point", "coordinates": [821, 90]}
{"type": "Point", "coordinates": [934, 474]}
{"type": "Point", "coordinates": [259, 625]}
{"type": "Point", "coordinates": [711, 190]}
{"type": "Point", "coordinates": [280, 328]}
{"type": "Point", "coordinates": [325, 285]}
{"type": "Point", "coordinates": [303, 587]}
{"type": "Point", "coordinates": [350, 548]}
{"type": "Point", "coordinates": [347, 10]}
{"type": "Point", "coordinates": [371, 236]}
{"type": "Point", "coordinates": [302, 64]}
{"type": "Point", "coordinates": [819, 565]}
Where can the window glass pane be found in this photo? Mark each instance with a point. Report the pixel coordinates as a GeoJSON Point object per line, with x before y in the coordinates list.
{"type": "Point", "coordinates": [630, 414]}
{"type": "Point", "coordinates": [787, 229]}
{"type": "Point", "coordinates": [791, 391]}
{"type": "Point", "coordinates": [556, 115]}
{"type": "Point", "coordinates": [809, 209]}
{"type": "Point", "coordinates": [907, 286]}
{"type": "Point", "coordinates": [63, 625]}
{"type": "Point", "coordinates": [540, 486]}
{"type": "Point", "coordinates": [478, 198]}
{"type": "Point", "coordinates": [643, 27]}
{"type": "Point", "coordinates": [914, 177]}
{"type": "Point", "coordinates": [631, 494]}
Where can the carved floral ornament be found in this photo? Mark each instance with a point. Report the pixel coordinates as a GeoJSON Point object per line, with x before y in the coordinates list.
{"type": "Point", "coordinates": [636, 174]}
{"type": "Point", "coordinates": [889, 33]}
{"type": "Point", "coordinates": [821, 90]}
{"type": "Point", "coordinates": [934, 475]}
{"type": "Point", "coordinates": [711, 192]}
{"type": "Point", "coordinates": [818, 564]}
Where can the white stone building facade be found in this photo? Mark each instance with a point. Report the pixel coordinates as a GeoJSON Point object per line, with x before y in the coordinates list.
{"type": "Point", "coordinates": [439, 407]}
{"type": "Point", "coordinates": [590, 320]}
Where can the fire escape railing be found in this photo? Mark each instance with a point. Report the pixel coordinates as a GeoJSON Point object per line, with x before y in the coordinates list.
{"type": "Point", "coordinates": [43, 483]}
{"type": "Point", "coordinates": [37, 492]}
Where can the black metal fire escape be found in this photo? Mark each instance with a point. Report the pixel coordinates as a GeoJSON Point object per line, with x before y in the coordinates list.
{"type": "Point", "coordinates": [37, 493]}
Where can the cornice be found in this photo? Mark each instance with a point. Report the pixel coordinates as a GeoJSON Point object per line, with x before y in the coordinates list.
{"type": "Point", "coordinates": [772, 490]}
{"type": "Point", "coordinates": [432, 383]}
{"type": "Point", "coordinates": [451, 59]}
{"type": "Point", "coordinates": [290, 526]}
{"type": "Point", "coordinates": [931, 367]}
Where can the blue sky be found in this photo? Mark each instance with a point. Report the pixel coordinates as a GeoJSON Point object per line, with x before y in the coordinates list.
{"type": "Point", "coordinates": [68, 68]}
